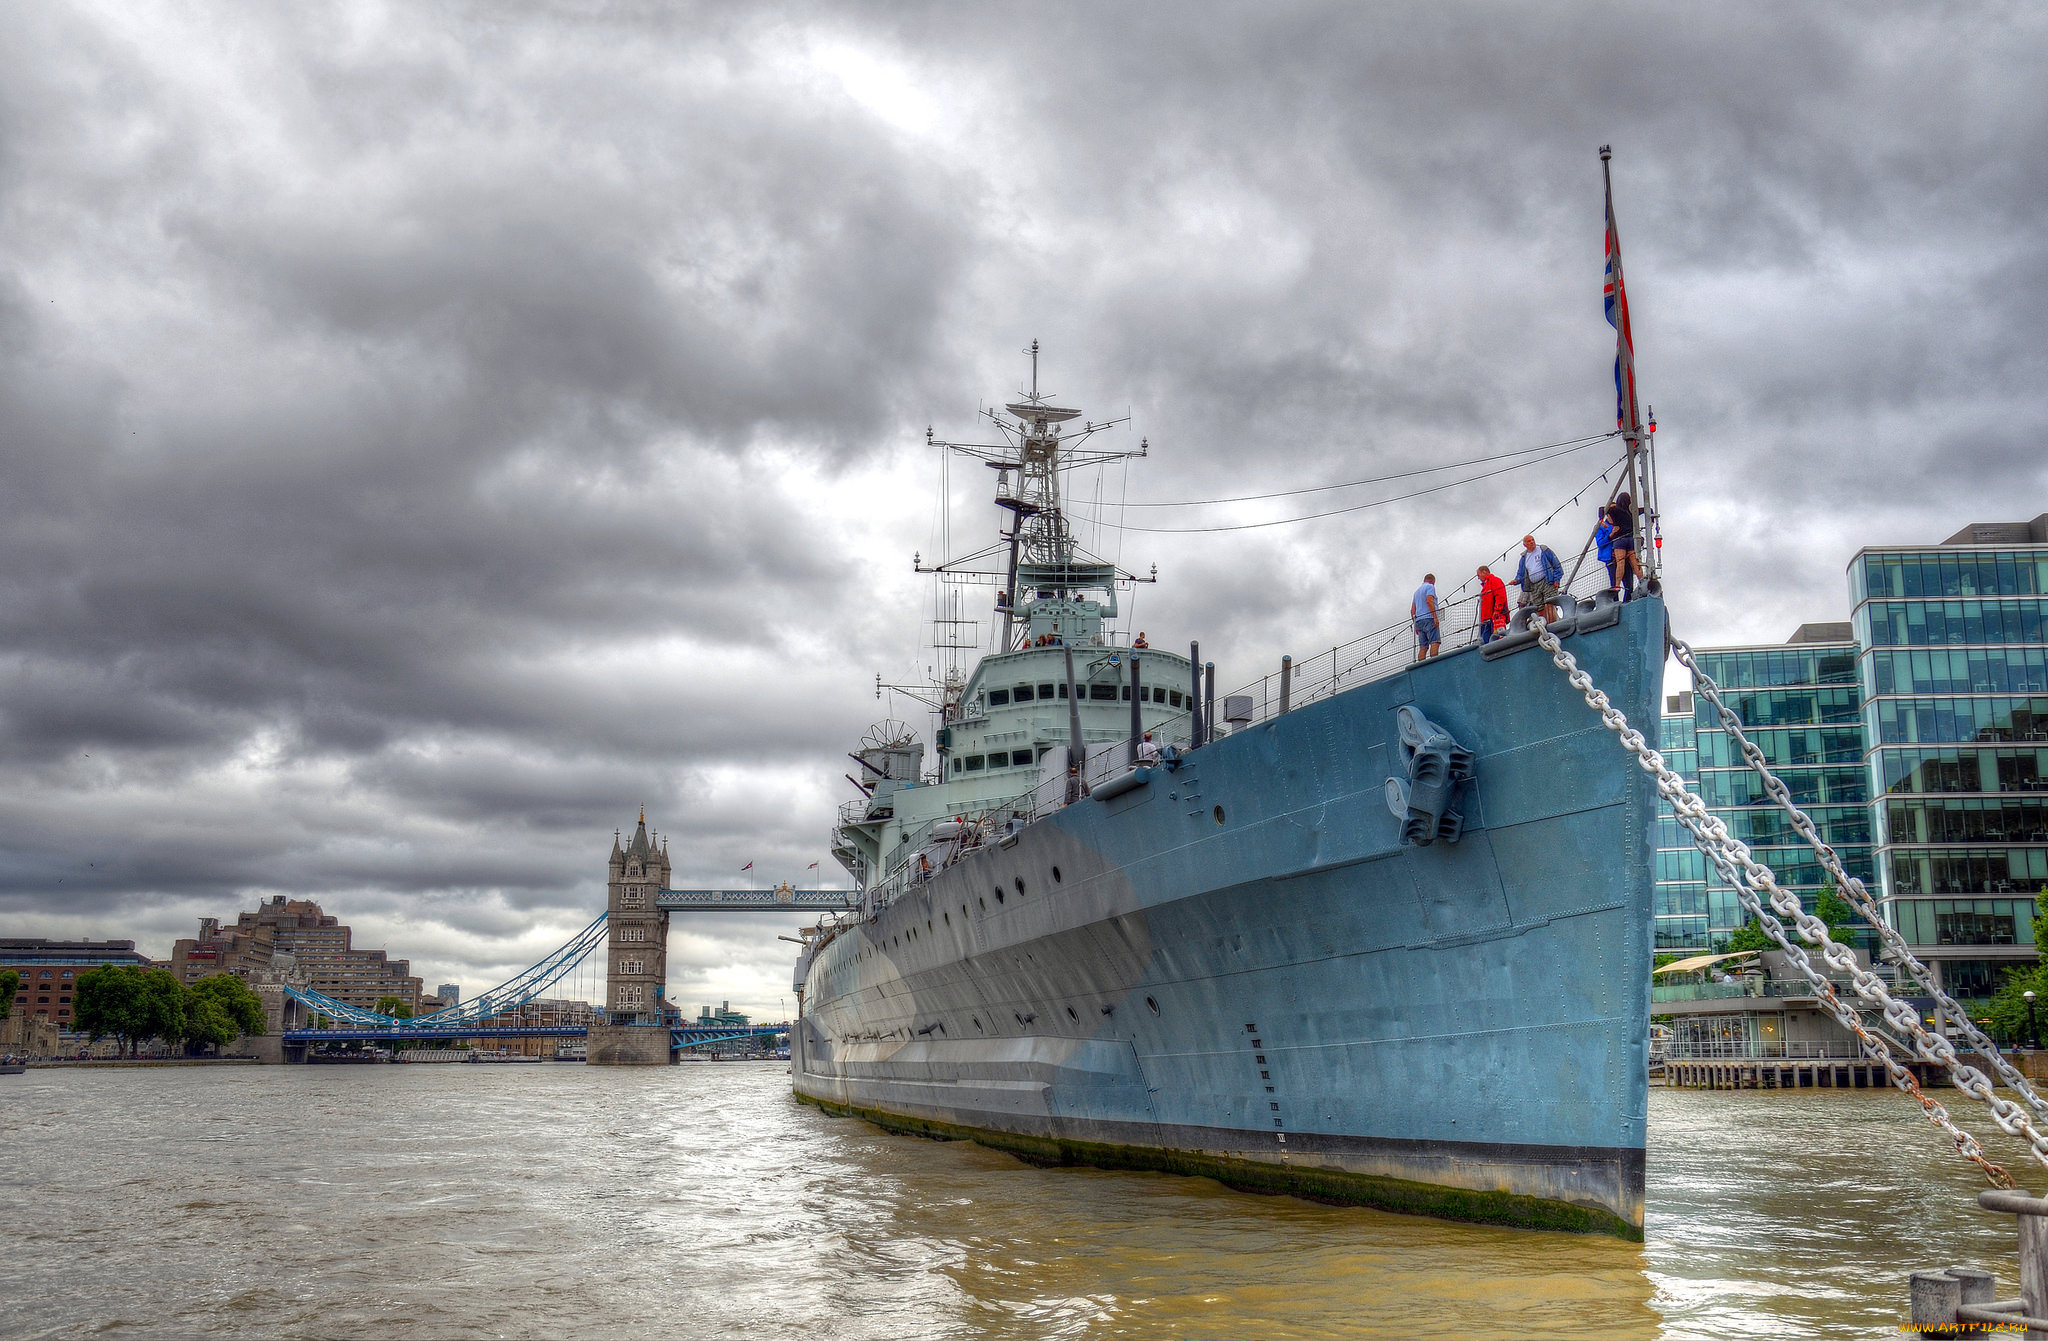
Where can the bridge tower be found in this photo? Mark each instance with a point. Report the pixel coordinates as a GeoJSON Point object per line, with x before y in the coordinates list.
{"type": "Point", "coordinates": [635, 1032]}
{"type": "Point", "coordinates": [636, 968]}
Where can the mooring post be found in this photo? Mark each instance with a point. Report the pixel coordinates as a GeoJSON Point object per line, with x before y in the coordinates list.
{"type": "Point", "coordinates": [1286, 681]}
{"type": "Point", "coordinates": [1936, 1297]}
{"type": "Point", "coordinates": [2032, 1214]}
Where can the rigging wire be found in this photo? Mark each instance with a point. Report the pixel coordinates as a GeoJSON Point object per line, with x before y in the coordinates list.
{"type": "Point", "coordinates": [1377, 502]}
{"type": "Point", "coordinates": [1392, 636]}
{"type": "Point", "coordinates": [1573, 443]}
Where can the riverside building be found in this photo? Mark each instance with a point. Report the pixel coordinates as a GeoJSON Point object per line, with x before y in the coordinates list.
{"type": "Point", "coordinates": [1915, 735]}
{"type": "Point", "coordinates": [295, 937]}
{"type": "Point", "coordinates": [1953, 660]}
{"type": "Point", "coordinates": [49, 969]}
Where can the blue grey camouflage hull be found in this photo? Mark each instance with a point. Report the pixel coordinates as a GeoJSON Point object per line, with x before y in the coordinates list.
{"type": "Point", "coordinates": [1240, 969]}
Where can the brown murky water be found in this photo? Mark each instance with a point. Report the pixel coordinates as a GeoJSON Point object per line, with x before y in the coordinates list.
{"type": "Point", "coordinates": [701, 1200]}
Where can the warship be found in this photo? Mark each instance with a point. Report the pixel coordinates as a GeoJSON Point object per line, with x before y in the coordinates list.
{"type": "Point", "coordinates": [1388, 945]}
{"type": "Point", "coordinates": [1383, 937]}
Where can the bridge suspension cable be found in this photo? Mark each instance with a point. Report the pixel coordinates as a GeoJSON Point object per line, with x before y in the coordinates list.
{"type": "Point", "coordinates": [509, 995]}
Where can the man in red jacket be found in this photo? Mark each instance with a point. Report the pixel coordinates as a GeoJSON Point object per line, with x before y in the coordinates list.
{"type": "Point", "coordinates": [1493, 605]}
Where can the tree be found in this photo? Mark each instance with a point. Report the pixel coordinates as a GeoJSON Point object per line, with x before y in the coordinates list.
{"type": "Point", "coordinates": [1831, 908]}
{"type": "Point", "coordinates": [130, 1003]}
{"type": "Point", "coordinates": [1749, 936]}
{"type": "Point", "coordinates": [2008, 1008]}
{"type": "Point", "coordinates": [10, 983]}
{"type": "Point", "coordinates": [219, 1009]}
{"type": "Point", "coordinates": [394, 1006]}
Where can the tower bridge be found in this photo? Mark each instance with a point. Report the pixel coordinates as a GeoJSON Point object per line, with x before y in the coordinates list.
{"type": "Point", "coordinates": [638, 1027]}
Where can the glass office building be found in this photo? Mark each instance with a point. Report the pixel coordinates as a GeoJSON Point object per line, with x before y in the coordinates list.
{"type": "Point", "coordinates": [1953, 666]}
{"type": "Point", "coordinates": [1802, 705]}
{"type": "Point", "coordinates": [1681, 899]}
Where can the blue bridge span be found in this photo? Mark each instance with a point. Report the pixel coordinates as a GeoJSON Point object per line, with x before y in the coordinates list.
{"type": "Point", "coordinates": [483, 1015]}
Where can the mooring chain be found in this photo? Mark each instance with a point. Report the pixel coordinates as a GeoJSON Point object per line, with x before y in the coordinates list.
{"type": "Point", "coordinates": [1852, 889]}
{"type": "Point", "coordinates": [1732, 859]}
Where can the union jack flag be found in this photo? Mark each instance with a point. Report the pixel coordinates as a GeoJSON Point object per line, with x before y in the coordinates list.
{"type": "Point", "coordinates": [1615, 294]}
{"type": "Point", "coordinates": [748, 867]}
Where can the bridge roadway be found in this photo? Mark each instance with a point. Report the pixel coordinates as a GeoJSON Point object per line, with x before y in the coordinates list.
{"type": "Point", "coordinates": [781, 899]}
{"type": "Point", "coordinates": [680, 1036]}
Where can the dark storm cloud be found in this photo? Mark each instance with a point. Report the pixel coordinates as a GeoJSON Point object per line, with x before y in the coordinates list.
{"type": "Point", "coordinates": [430, 433]}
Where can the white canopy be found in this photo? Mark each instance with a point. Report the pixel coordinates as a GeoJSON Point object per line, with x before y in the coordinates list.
{"type": "Point", "coordinates": [1701, 961]}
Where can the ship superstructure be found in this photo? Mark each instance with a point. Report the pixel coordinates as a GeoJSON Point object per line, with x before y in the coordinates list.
{"type": "Point", "coordinates": [1061, 691]}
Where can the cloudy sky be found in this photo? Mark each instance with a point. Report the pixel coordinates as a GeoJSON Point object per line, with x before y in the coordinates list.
{"type": "Point", "coordinates": [431, 432]}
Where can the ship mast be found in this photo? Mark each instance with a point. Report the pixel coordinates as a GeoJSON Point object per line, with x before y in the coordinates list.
{"type": "Point", "coordinates": [1040, 553]}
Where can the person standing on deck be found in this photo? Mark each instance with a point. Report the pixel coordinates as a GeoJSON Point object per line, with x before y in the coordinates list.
{"type": "Point", "coordinates": [1493, 605]}
{"type": "Point", "coordinates": [1422, 609]}
{"type": "Point", "coordinates": [1538, 575]}
{"type": "Point", "coordinates": [1603, 546]}
{"type": "Point", "coordinates": [1622, 512]}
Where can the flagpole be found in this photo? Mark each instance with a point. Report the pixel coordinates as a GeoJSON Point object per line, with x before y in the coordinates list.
{"type": "Point", "coordinates": [1625, 371]}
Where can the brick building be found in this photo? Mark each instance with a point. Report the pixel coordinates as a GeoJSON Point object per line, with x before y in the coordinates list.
{"type": "Point", "coordinates": [294, 938]}
{"type": "Point", "coordinates": [48, 969]}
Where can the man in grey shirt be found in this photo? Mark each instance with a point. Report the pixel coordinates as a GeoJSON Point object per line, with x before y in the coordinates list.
{"type": "Point", "coordinates": [1422, 609]}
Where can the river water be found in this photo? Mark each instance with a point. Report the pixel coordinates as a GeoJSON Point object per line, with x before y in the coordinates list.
{"type": "Point", "coordinates": [701, 1200]}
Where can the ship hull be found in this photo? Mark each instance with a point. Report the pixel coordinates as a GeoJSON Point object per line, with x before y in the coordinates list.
{"type": "Point", "coordinates": [1239, 970]}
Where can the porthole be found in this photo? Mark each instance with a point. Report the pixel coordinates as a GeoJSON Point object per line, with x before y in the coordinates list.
{"type": "Point", "coordinates": [949, 917]}
{"type": "Point", "coordinates": [1219, 814]}
{"type": "Point", "coordinates": [982, 902]}
{"type": "Point", "coordinates": [999, 894]}
{"type": "Point", "coordinates": [1020, 884]}
{"type": "Point", "coordinates": [977, 1026]}
{"type": "Point", "coordinates": [1153, 1004]}
{"type": "Point", "coordinates": [1056, 875]}
{"type": "Point", "coordinates": [1071, 1015]}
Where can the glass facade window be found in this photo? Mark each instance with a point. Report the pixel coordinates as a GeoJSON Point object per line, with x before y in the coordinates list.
{"type": "Point", "coordinates": [1837, 785]}
{"type": "Point", "coordinates": [1959, 721]}
{"type": "Point", "coordinates": [1838, 825]}
{"type": "Point", "coordinates": [1772, 667]}
{"type": "Point", "coordinates": [1679, 898]}
{"type": "Point", "coordinates": [2020, 572]}
{"type": "Point", "coordinates": [1964, 921]}
{"type": "Point", "coordinates": [1980, 670]}
{"type": "Point", "coordinates": [1796, 707]}
{"type": "Point", "coordinates": [1913, 771]}
{"type": "Point", "coordinates": [1682, 933]}
{"type": "Point", "coordinates": [1682, 864]}
{"type": "Point", "coordinates": [1784, 746]}
{"type": "Point", "coordinates": [1957, 870]}
{"type": "Point", "coordinates": [1948, 623]}
{"type": "Point", "coordinates": [1966, 819]}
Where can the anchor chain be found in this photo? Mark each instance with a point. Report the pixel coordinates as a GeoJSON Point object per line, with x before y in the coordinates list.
{"type": "Point", "coordinates": [1851, 888]}
{"type": "Point", "coordinates": [1732, 859]}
